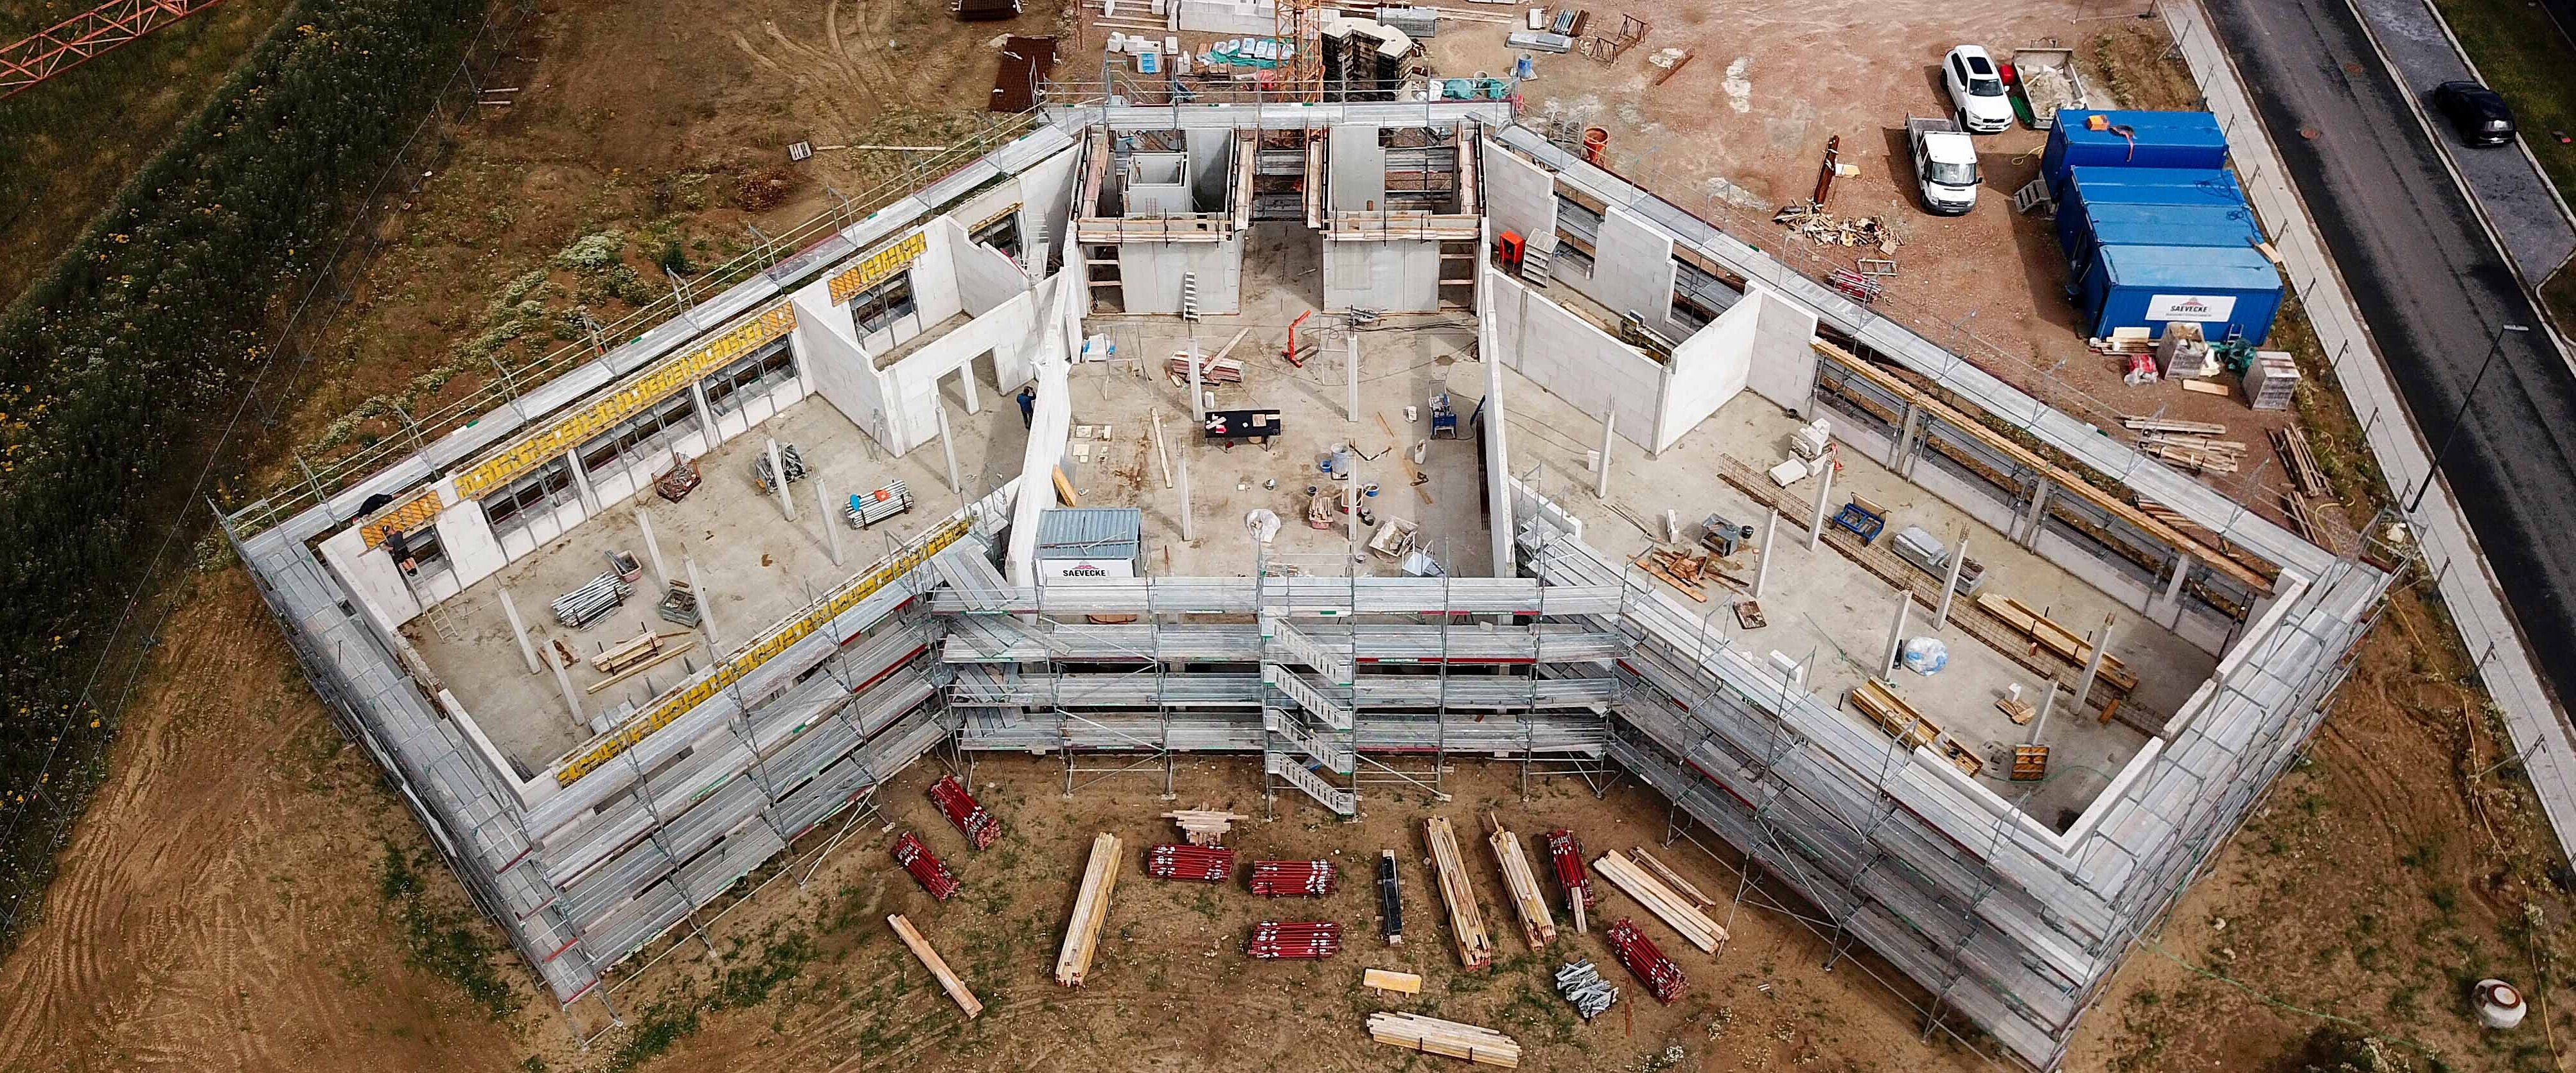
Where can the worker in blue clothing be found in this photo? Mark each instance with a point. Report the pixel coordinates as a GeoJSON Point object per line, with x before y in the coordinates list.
{"type": "Point", "coordinates": [1028, 406]}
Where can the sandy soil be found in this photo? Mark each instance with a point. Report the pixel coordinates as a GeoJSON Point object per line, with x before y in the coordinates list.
{"type": "Point", "coordinates": [221, 904]}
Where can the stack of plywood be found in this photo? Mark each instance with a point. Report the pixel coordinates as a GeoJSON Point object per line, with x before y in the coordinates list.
{"type": "Point", "coordinates": [1466, 918]}
{"type": "Point", "coordinates": [1203, 827]}
{"type": "Point", "coordinates": [1090, 910]}
{"type": "Point", "coordinates": [1431, 1035]}
{"type": "Point", "coordinates": [1670, 906]}
{"type": "Point", "coordinates": [1537, 924]}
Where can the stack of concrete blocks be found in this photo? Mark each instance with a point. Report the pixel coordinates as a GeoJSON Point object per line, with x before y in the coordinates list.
{"type": "Point", "coordinates": [1224, 16]}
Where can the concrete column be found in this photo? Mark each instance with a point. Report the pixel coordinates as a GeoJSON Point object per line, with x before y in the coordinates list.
{"type": "Point", "coordinates": [653, 549]}
{"type": "Point", "coordinates": [1950, 585]}
{"type": "Point", "coordinates": [571, 696]}
{"type": "Point", "coordinates": [1895, 636]}
{"type": "Point", "coordinates": [2047, 700]}
{"type": "Point", "coordinates": [581, 482]}
{"type": "Point", "coordinates": [2101, 644]}
{"type": "Point", "coordinates": [1351, 506]}
{"type": "Point", "coordinates": [1824, 490]}
{"type": "Point", "coordinates": [706, 604]}
{"type": "Point", "coordinates": [966, 385]}
{"type": "Point", "coordinates": [948, 451]}
{"type": "Point", "coordinates": [1355, 377]}
{"type": "Point", "coordinates": [830, 519]}
{"type": "Point", "coordinates": [2173, 586]}
{"type": "Point", "coordinates": [1902, 452]}
{"type": "Point", "coordinates": [1601, 476]}
{"type": "Point", "coordinates": [1762, 568]}
{"type": "Point", "coordinates": [1181, 461]}
{"type": "Point", "coordinates": [706, 413]}
{"type": "Point", "coordinates": [778, 473]}
{"type": "Point", "coordinates": [1198, 397]}
{"type": "Point", "coordinates": [2030, 519]}
{"type": "Point", "coordinates": [519, 629]}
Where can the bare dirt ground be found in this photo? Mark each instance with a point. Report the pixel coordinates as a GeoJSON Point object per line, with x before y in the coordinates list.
{"type": "Point", "coordinates": [245, 895]}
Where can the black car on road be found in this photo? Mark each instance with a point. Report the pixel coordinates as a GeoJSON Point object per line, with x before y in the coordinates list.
{"type": "Point", "coordinates": [2478, 113]}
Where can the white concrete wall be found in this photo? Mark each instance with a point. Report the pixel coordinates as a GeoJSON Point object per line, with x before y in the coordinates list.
{"type": "Point", "coordinates": [1210, 150]}
{"type": "Point", "coordinates": [1519, 196]}
{"type": "Point", "coordinates": [1215, 16]}
{"type": "Point", "coordinates": [1706, 371]}
{"type": "Point", "coordinates": [1588, 368]}
{"type": "Point", "coordinates": [1050, 425]}
{"type": "Point", "coordinates": [1152, 273]}
{"type": "Point", "coordinates": [1356, 169]}
{"type": "Point", "coordinates": [841, 371]}
{"type": "Point", "coordinates": [1391, 277]}
{"type": "Point", "coordinates": [913, 383]}
{"type": "Point", "coordinates": [471, 551]}
{"type": "Point", "coordinates": [1632, 271]}
{"type": "Point", "coordinates": [1784, 359]}
{"type": "Point", "coordinates": [370, 575]}
{"type": "Point", "coordinates": [985, 278]}
{"type": "Point", "coordinates": [1046, 201]}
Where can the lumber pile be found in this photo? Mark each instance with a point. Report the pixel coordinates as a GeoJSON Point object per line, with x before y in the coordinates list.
{"type": "Point", "coordinates": [1466, 918]}
{"type": "Point", "coordinates": [629, 653]}
{"type": "Point", "coordinates": [1383, 981]}
{"type": "Point", "coordinates": [1682, 570]}
{"type": "Point", "coordinates": [1431, 1035]}
{"type": "Point", "coordinates": [1282, 879]}
{"type": "Point", "coordinates": [2157, 426]}
{"type": "Point", "coordinates": [1810, 221]}
{"type": "Point", "coordinates": [1180, 860]}
{"type": "Point", "coordinates": [937, 965]}
{"type": "Point", "coordinates": [2199, 454]}
{"type": "Point", "coordinates": [1662, 978]}
{"type": "Point", "coordinates": [1566, 855]}
{"type": "Point", "coordinates": [1537, 924]}
{"type": "Point", "coordinates": [966, 812]}
{"type": "Point", "coordinates": [1090, 910]}
{"type": "Point", "coordinates": [925, 868]}
{"type": "Point", "coordinates": [1202, 827]}
{"type": "Point", "coordinates": [662, 657]}
{"type": "Point", "coordinates": [2074, 649]}
{"type": "Point", "coordinates": [1872, 698]}
{"type": "Point", "coordinates": [1303, 940]}
{"type": "Point", "coordinates": [1212, 370]}
{"type": "Point", "coordinates": [1670, 906]}
{"type": "Point", "coordinates": [2299, 461]}
{"type": "Point", "coordinates": [1670, 878]}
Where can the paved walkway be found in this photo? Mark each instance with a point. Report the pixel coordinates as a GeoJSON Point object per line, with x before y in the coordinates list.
{"type": "Point", "coordinates": [2505, 181]}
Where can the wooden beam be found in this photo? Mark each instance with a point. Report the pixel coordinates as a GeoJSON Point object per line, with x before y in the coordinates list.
{"type": "Point", "coordinates": [1668, 905]}
{"type": "Point", "coordinates": [1466, 917]}
{"type": "Point", "coordinates": [930, 958]}
{"type": "Point", "coordinates": [1402, 983]}
{"type": "Point", "coordinates": [1431, 1035]}
{"type": "Point", "coordinates": [2066, 480]}
{"type": "Point", "coordinates": [1538, 925]}
{"type": "Point", "coordinates": [676, 652]}
{"type": "Point", "coordinates": [1090, 910]}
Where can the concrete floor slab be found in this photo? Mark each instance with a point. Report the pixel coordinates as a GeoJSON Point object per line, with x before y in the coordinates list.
{"type": "Point", "coordinates": [757, 566]}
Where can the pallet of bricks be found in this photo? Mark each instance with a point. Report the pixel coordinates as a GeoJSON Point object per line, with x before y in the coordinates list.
{"type": "Point", "coordinates": [1286, 879]}
{"type": "Point", "coordinates": [964, 811]}
{"type": "Point", "coordinates": [1297, 939]}
{"type": "Point", "coordinates": [1662, 978]}
{"type": "Point", "coordinates": [1197, 864]}
{"type": "Point", "coordinates": [926, 869]}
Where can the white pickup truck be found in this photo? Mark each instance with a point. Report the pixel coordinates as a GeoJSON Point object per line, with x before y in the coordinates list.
{"type": "Point", "coordinates": [1945, 165]}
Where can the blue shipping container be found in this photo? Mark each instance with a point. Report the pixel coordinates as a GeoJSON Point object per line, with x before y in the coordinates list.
{"type": "Point", "coordinates": [2092, 186]}
{"type": "Point", "coordinates": [2225, 290]}
{"type": "Point", "coordinates": [2126, 224]}
{"type": "Point", "coordinates": [2143, 140]}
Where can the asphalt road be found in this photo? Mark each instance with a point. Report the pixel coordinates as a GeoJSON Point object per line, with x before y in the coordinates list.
{"type": "Point", "coordinates": [2433, 290]}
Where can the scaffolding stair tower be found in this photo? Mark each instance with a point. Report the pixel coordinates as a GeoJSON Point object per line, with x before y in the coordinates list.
{"type": "Point", "coordinates": [1303, 729]}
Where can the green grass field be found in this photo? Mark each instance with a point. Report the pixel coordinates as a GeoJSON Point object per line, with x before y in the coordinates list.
{"type": "Point", "coordinates": [2528, 58]}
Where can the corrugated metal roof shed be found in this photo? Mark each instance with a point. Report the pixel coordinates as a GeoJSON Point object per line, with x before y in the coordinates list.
{"type": "Point", "coordinates": [1090, 532]}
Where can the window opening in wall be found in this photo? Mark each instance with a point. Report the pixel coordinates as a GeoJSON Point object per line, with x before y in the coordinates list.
{"type": "Point", "coordinates": [749, 378]}
{"type": "Point", "coordinates": [645, 435]}
{"type": "Point", "coordinates": [1002, 234]}
{"type": "Point", "coordinates": [877, 308]}
{"type": "Point", "coordinates": [512, 507]}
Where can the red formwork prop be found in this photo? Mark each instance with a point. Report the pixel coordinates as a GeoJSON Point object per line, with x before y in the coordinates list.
{"type": "Point", "coordinates": [1283, 879]}
{"type": "Point", "coordinates": [964, 811]}
{"type": "Point", "coordinates": [1295, 939]}
{"type": "Point", "coordinates": [1567, 855]}
{"type": "Point", "coordinates": [925, 867]}
{"type": "Point", "coordinates": [1201, 864]}
{"type": "Point", "coordinates": [1662, 978]}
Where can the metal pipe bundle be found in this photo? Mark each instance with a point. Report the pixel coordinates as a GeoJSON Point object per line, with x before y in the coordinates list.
{"type": "Point", "coordinates": [1566, 854]}
{"type": "Point", "coordinates": [926, 868]}
{"type": "Point", "coordinates": [596, 597]}
{"type": "Point", "coordinates": [964, 811]}
{"type": "Point", "coordinates": [1279, 879]}
{"type": "Point", "coordinates": [1582, 985]}
{"type": "Point", "coordinates": [1662, 978]}
{"type": "Point", "coordinates": [1203, 864]}
{"type": "Point", "coordinates": [1295, 939]}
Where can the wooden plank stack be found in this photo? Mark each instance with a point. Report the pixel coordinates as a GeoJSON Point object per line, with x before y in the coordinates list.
{"type": "Point", "coordinates": [1670, 906]}
{"type": "Point", "coordinates": [1385, 980]}
{"type": "Point", "coordinates": [1211, 370]}
{"type": "Point", "coordinates": [1669, 877]}
{"type": "Point", "coordinates": [1899, 719]}
{"type": "Point", "coordinates": [1566, 855]}
{"type": "Point", "coordinates": [1284, 879]}
{"type": "Point", "coordinates": [1431, 1035]}
{"type": "Point", "coordinates": [1203, 827]}
{"type": "Point", "coordinates": [1662, 978]}
{"type": "Point", "coordinates": [2199, 454]}
{"type": "Point", "coordinates": [1466, 918]}
{"type": "Point", "coordinates": [2299, 460]}
{"type": "Point", "coordinates": [1180, 860]}
{"type": "Point", "coordinates": [1090, 910]}
{"type": "Point", "coordinates": [937, 965]}
{"type": "Point", "coordinates": [1537, 924]}
{"type": "Point", "coordinates": [2065, 642]}
{"type": "Point", "coordinates": [925, 868]}
{"type": "Point", "coordinates": [966, 812]}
